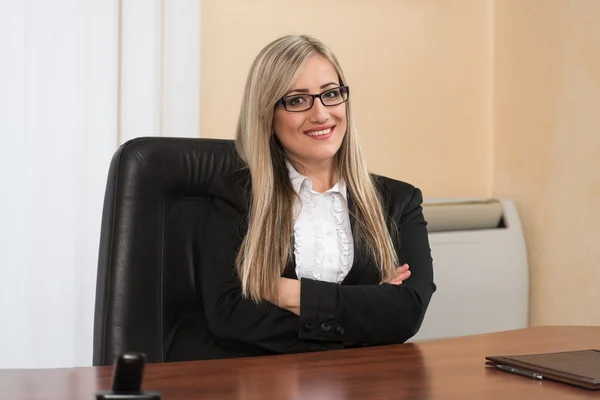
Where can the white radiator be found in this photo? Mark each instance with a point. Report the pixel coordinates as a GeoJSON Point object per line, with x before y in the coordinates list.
{"type": "Point", "coordinates": [480, 268]}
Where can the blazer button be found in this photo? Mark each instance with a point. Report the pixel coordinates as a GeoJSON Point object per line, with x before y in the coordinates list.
{"type": "Point", "coordinates": [340, 330]}
{"type": "Point", "coordinates": [309, 325]}
{"type": "Point", "coordinates": [325, 327]}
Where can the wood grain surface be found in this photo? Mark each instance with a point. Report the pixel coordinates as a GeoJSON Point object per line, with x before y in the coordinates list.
{"type": "Point", "coordinates": [439, 369]}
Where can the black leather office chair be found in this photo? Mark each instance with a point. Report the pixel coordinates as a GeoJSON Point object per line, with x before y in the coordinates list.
{"type": "Point", "coordinates": [147, 293]}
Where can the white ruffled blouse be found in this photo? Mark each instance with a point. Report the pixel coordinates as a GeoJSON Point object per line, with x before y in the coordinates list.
{"type": "Point", "coordinates": [323, 245]}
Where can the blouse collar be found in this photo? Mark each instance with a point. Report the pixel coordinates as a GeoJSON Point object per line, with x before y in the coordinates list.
{"type": "Point", "coordinates": [302, 182]}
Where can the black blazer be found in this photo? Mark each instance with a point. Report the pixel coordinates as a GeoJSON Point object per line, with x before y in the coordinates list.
{"type": "Point", "coordinates": [357, 312]}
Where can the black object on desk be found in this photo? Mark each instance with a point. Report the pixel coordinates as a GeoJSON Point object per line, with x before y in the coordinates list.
{"type": "Point", "coordinates": [579, 368]}
{"type": "Point", "coordinates": [128, 374]}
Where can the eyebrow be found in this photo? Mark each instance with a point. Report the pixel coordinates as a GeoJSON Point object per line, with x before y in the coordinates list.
{"type": "Point", "coordinates": [306, 90]}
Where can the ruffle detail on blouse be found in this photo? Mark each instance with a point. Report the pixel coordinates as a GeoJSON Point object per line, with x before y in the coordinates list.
{"type": "Point", "coordinates": [344, 237]}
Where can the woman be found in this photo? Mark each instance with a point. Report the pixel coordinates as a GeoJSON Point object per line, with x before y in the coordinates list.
{"type": "Point", "coordinates": [304, 249]}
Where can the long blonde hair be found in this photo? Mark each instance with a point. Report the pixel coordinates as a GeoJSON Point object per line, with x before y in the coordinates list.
{"type": "Point", "coordinates": [268, 244]}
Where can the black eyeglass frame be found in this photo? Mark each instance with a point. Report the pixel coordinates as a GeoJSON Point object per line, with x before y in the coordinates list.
{"type": "Point", "coordinates": [281, 101]}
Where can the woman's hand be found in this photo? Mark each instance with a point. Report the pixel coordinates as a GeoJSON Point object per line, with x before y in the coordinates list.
{"type": "Point", "coordinates": [401, 274]}
{"type": "Point", "coordinates": [288, 296]}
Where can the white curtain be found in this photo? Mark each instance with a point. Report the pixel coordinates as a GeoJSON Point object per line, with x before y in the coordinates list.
{"type": "Point", "coordinates": [69, 95]}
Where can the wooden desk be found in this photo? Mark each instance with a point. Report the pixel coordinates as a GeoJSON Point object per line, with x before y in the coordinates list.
{"type": "Point", "coordinates": [441, 369]}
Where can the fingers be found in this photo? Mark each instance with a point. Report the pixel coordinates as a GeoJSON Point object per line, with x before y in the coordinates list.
{"type": "Point", "coordinates": [401, 278]}
{"type": "Point", "coordinates": [401, 274]}
{"type": "Point", "coordinates": [402, 268]}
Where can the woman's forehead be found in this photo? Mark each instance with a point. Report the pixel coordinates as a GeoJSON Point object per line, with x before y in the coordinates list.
{"type": "Point", "coordinates": [316, 72]}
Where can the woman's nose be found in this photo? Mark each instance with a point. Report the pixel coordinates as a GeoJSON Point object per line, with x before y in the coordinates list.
{"type": "Point", "coordinates": [318, 112]}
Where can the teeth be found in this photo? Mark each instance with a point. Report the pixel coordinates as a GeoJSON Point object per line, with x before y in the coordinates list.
{"type": "Point", "coordinates": [319, 133]}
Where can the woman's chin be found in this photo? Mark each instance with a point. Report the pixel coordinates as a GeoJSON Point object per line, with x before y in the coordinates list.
{"type": "Point", "coordinates": [320, 157]}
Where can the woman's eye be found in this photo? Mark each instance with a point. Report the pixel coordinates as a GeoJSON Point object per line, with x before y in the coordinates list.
{"type": "Point", "coordinates": [332, 94]}
{"type": "Point", "coordinates": [295, 101]}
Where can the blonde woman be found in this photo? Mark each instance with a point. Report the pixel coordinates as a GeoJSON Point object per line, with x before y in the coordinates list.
{"type": "Point", "coordinates": [304, 249]}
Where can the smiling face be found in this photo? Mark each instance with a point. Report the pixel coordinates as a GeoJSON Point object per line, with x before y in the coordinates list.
{"type": "Point", "coordinates": [312, 137]}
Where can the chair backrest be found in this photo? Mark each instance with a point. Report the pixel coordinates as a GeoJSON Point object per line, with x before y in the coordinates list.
{"type": "Point", "coordinates": [147, 291]}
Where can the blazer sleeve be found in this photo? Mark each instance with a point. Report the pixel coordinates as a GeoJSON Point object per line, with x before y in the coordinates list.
{"type": "Point", "coordinates": [374, 314]}
{"type": "Point", "coordinates": [234, 320]}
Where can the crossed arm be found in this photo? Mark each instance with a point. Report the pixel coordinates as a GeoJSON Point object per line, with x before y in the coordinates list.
{"type": "Point", "coordinates": [308, 314]}
{"type": "Point", "coordinates": [289, 290]}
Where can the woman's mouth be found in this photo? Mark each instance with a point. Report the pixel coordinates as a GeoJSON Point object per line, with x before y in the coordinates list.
{"type": "Point", "coordinates": [323, 133]}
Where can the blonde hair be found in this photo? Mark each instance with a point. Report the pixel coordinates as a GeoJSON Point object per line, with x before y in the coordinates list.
{"type": "Point", "coordinates": [268, 244]}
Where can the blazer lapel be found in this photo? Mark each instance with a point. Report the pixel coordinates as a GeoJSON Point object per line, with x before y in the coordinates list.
{"type": "Point", "coordinates": [361, 261]}
{"type": "Point", "coordinates": [290, 268]}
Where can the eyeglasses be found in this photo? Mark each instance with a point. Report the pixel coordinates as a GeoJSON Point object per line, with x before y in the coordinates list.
{"type": "Point", "coordinates": [304, 102]}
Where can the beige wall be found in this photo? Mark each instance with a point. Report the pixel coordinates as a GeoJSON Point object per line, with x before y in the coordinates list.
{"type": "Point", "coordinates": [547, 147]}
{"type": "Point", "coordinates": [419, 73]}
{"type": "Point", "coordinates": [462, 98]}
